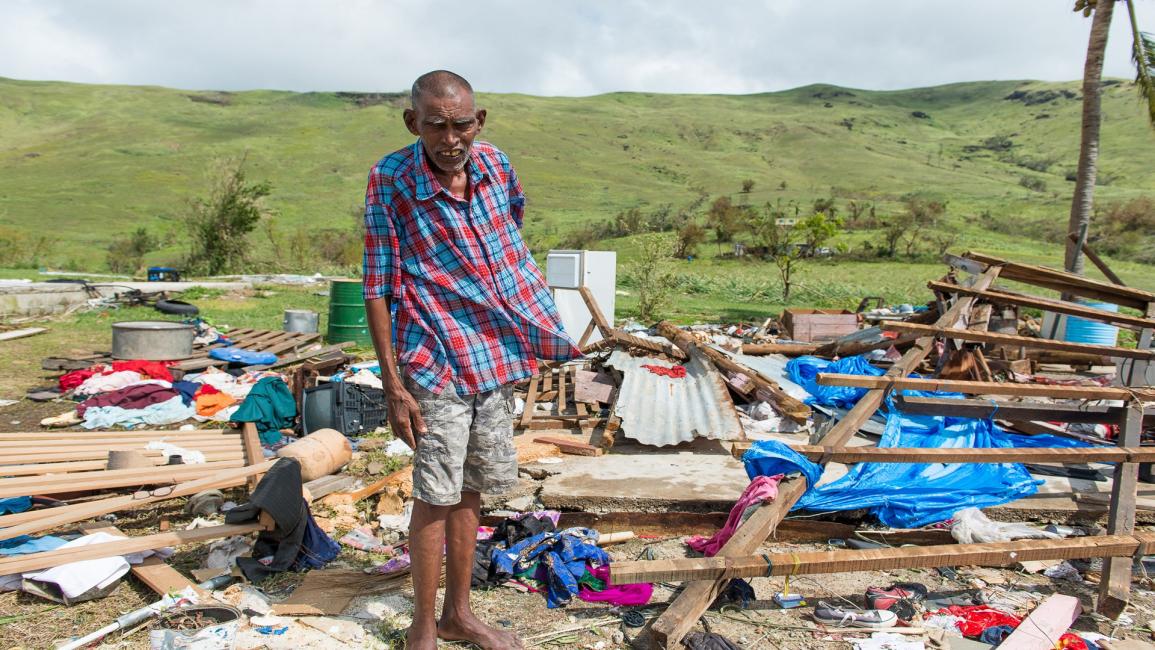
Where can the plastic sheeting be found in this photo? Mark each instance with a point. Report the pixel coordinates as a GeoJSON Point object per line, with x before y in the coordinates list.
{"type": "Point", "coordinates": [804, 371]}
{"type": "Point", "coordinates": [904, 494]}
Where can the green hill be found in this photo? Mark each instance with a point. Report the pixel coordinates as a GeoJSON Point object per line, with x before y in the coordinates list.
{"type": "Point", "coordinates": [83, 164]}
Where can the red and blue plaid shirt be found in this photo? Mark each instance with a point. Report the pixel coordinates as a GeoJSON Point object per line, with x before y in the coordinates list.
{"type": "Point", "coordinates": [472, 307]}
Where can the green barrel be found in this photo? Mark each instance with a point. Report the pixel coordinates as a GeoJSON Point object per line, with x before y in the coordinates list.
{"type": "Point", "coordinates": [347, 320]}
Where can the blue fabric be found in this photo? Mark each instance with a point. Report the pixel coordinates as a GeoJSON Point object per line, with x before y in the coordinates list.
{"type": "Point", "coordinates": [561, 555]}
{"type": "Point", "coordinates": [246, 357]}
{"type": "Point", "coordinates": [903, 494]}
{"type": "Point", "coordinates": [996, 635]}
{"type": "Point", "coordinates": [317, 548]}
{"type": "Point", "coordinates": [187, 390]}
{"type": "Point", "coordinates": [24, 544]}
{"type": "Point", "coordinates": [12, 505]}
{"type": "Point", "coordinates": [804, 370]}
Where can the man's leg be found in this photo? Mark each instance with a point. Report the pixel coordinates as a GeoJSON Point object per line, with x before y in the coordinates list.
{"type": "Point", "coordinates": [458, 622]}
{"type": "Point", "coordinates": [426, 544]}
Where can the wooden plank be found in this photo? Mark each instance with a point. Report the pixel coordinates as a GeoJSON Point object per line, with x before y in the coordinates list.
{"type": "Point", "coordinates": [848, 455]}
{"type": "Point", "coordinates": [604, 326]}
{"type": "Point", "coordinates": [984, 409]}
{"type": "Point", "coordinates": [1018, 341]}
{"type": "Point", "coordinates": [122, 435]}
{"type": "Point", "coordinates": [98, 454]}
{"type": "Point", "coordinates": [303, 355]}
{"type": "Point", "coordinates": [530, 401]}
{"type": "Point", "coordinates": [571, 446]}
{"type": "Point", "coordinates": [1115, 584]}
{"type": "Point", "coordinates": [562, 373]}
{"type": "Point", "coordinates": [1061, 281]}
{"type": "Point", "coordinates": [49, 559]}
{"type": "Point", "coordinates": [21, 333]}
{"type": "Point", "coordinates": [783, 402]}
{"type": "Point", "coordinates": [997, 554]}
{"type": "Point", "coordinates": [190, 442]}
{"type": "Point", "coordinates": [985, 387]}
{"type": "Point", "coordinates": [34, 521]}
{"type": "Point", "coordinates": [657, 347]}
{"type": "Point", "coordinates": [787, 349]}
{"type": "Point", "coordinates": [1043, 627]}
{"type": "Point", "coordinates": [684, 612]}
{"type": "Point", "coordinates": [585, 338]}
{"type": "Point", "coordinates": [254, 453]}
{"type": "Point", "coordinates": [1097, 261]}
{"type": "Point", "coordinates": [1046, 304]}
{"type": "Point", "coordinates": [153, 571]}
{"type": "Point", "coordinates": [109, 479]}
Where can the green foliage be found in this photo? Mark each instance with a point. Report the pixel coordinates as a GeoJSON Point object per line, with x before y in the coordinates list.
{"type": "Point", "coordinates": [690, 237]}
{"type": "Point", "coordinates": [24, 249]}
{"type": "Point", "coordinates": [126, 254]}
{"type": "Point", "coordinates": [652, 275]}
{"type": "Point", "coordinates": [724, 218]}
{"type": "Point", "coordinates": [787, 240]}
{"type": "Point", "coordinates": [1127, 229]}
{"type": "Point", "coordinates": [219, 225]}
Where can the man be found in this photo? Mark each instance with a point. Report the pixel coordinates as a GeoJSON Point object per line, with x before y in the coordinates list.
{"type": "Point", "coordinates": [449, 278]}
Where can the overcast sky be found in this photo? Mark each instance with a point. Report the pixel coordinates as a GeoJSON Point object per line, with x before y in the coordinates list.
{"type": "Point", "coordinates": [553, 47]}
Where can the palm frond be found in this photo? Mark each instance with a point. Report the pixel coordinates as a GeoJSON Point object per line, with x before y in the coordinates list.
{"type": "Point", "coordinates": [1143, 55]}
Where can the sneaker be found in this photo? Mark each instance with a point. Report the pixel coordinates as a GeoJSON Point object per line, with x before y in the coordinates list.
{"type": "Point", "coordinates": [879, 598]}
{"type": "Point", "coordinates": [836, 616]}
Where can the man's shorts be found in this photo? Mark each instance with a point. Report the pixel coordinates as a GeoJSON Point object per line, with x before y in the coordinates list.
{"type": "Point", "coordinates": [469, 445]}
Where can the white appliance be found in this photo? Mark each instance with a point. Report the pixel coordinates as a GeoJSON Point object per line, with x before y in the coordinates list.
{"type": "Point", "coordinates": [566, 271]}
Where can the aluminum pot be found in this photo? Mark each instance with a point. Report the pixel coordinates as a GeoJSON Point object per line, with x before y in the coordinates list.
{"type": "Point", "coordinates": [301, 320]}
{"type": "Point", "coordinates": [152, 340]}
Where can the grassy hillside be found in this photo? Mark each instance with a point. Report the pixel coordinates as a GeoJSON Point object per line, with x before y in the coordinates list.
{"type": "Point", "coordinates": [82, 164]}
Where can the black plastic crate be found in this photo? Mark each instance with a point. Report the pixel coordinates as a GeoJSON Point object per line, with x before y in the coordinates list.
{"type": "Point", "coordinates": [352, 409]}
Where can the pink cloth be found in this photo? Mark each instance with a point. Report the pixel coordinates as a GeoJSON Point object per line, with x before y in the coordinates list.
{"type": "Point", "coordinates": [620, 595]}
{"type": "Point", "coordinates": [763, 488]}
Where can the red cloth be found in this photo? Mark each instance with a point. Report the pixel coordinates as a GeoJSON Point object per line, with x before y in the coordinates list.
{"type": "Point", "coordinates": [207, 389]}
{"type": "Point", "coordinates": [149, 369]}
{"type": "Point", "coordinates": [977, 618]}
{"type": "Point", "coordinates": [762, 488]}
{"type": "Point", "coordinates": [677, 372]}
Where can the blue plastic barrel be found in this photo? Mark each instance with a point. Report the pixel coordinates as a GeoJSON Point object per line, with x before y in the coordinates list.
{"type": "Point", "coordinates": [1081, 330]}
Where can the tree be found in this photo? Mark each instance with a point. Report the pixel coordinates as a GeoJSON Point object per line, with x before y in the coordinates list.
{"type": "Point", "coordinates": [1143, 55]}
{"type": "Point", "coordinates": [126, 254]}
{"type": "Point", "coordinates": [788, 241]}
{"type": "Point", "coordinates": [690, 237]}
{"type": "Point", "coordinates": [219, 226]}
{"type": "Point", "coordinates": [652, 275]}
{"type": "Point", "coordinates": [724, 218]}
{"type": "Point", "coordinates": [747, 186]}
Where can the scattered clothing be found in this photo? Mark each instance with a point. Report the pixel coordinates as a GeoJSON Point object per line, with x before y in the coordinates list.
{"type": "Point", "coordinates": [78, 581]}
{"type": "Point", "coordinates": [210, 400]}
{"type": "Point", "coordinates": [24, 544]}
{"type": "Point", "coordinates": [975, 621]}
{"type": "Point", "coordinates": [396, 564]}
{"type": "Point", "coordinates": [13, 505]}
{"type": "Point", "coordinates": [107, 383]}
{"type": "Point", "coordinates": [270, 406]}
{"type": "Point", "coordinates": [242, 356]}
{"type": "Point", "coordinates": [971, 526]}
{"type": "Point", "coordinates": [708, 641]}
{"type": "Point", "coordinates": [631, 595]}
{"type": "Point", "coordinates": [761, 489]}
{"type": "Point", "coordinates": [296, 542]}
{"type": "Point", "coordinates": [170, 412]}
{"type": "Point", "coordinates": [150, 369]}
{"type": "Point", "coordinates": [133, 397]}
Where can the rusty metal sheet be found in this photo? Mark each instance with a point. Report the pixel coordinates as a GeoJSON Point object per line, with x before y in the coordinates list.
{"type": "Point", "coordinates": [660, 411]}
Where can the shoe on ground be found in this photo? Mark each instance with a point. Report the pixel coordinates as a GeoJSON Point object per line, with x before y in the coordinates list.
{"type": "Point", "coordinates": [828, 614]}
{"type": "Point", "coordinates": [879, 598]}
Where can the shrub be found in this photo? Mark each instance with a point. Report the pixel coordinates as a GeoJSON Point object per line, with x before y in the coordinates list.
{"type": "Point", "coordinates": [126, 254]}
{"type": "Point", "coordinates": [652, 275]}
{"type": "Point", "coordinates": [219, 226]}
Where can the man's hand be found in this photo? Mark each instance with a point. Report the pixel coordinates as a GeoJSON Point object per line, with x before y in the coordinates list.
{"type": "Point", "coordinates": [404, 416]}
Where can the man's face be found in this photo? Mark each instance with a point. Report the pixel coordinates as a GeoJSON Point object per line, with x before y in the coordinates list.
{"type": "Point", "coordinates": [447, 127]}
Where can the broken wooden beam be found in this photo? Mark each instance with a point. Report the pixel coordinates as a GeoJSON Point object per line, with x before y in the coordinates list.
{"type": "Point", "coordinates": [1057, 306]}
{"type": "Point", "coordinates": [788, 349]}
{"type": "Point", "coordinates": [784, 403]}
{"type": "Point", "coordinates": [985, 387]}
{"type": "Point", "coordinates": [1097, 261]}
{"type": "Point", "coordinates": [848, 455]}
{"type": "Point", "coordinates": [981, 409]}
{"type": "Point", "coordinates": [571, 446]}
{"type": "Point", "coordinates": [1063, 282]}
{"type": "Point", "coordinates": [997, 554]}
{"type": "Point", "coordinates": [1018, 341]}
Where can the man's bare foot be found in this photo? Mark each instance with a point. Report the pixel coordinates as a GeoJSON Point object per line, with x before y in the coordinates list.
{"type": "Point", "coordinates": [423, 637]}
{"type": "Point", "coordinates": [467, 627]}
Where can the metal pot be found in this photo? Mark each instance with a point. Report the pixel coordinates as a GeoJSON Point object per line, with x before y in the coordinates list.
{"type": "Point", "coordinates": [152, 340]}
{"type": "Point", "coordinates": [301, 320]}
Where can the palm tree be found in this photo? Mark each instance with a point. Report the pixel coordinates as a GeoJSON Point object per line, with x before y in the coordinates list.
{"type": "Point", "coordinates": [1143, 54]}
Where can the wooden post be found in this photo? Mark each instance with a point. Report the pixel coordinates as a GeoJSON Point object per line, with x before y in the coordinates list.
{"type": "Point", "coordinates": [254, 453]}
{"type": "Point", "coordinates": [605, 327]}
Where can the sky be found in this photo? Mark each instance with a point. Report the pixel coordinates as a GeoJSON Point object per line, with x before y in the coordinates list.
{"type": "Point", "coordinates": [554, 47]}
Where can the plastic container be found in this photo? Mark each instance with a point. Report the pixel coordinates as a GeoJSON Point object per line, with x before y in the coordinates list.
{"type": "Point", "coordinates": [320, 453]}
{"type": "Point", "coordinates": [1081, 330]}
{"type": "Point", "coordinates": [218, 631]}
{"type": "Point", "coordinates": [351, 409]}
{"type": "Point", "coordinates": [347, 321]}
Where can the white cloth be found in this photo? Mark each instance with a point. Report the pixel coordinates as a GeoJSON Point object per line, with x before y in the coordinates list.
{"type": "Point", "coordinates": [110, 382]}
{"type": "Point", "coordinates": [76, 578]}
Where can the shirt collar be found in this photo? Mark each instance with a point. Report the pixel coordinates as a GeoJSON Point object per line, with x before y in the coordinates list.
{"type": "Point", "coordinates": [428, 185]}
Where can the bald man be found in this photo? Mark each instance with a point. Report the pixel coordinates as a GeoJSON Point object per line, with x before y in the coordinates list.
{"type": "Point", "coordinates": [458, 311]}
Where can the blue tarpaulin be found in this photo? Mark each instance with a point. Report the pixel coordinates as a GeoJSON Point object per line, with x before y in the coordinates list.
{"type": "Point", "coordinates": [904, 494]}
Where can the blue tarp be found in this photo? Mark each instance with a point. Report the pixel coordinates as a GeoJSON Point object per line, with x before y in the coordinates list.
{"type": "Point", "coordinates": [903, 494]}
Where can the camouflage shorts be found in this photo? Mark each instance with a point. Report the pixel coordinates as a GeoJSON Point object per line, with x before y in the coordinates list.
{"type": "Point", "coordinates": [469, 445]}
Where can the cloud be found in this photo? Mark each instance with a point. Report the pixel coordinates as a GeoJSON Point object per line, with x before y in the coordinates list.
{"type": "Point", "coordinates": [551, 48]}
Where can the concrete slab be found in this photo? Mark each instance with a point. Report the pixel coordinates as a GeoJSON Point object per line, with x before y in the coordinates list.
{"type": "Point", "coordinates": [651, 481]}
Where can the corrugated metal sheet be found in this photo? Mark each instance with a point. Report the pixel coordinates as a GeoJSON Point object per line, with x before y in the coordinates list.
{"type": "Point", "coordinates": [772, 366]}
{"type": "Point", "coordinates": [660, 411]}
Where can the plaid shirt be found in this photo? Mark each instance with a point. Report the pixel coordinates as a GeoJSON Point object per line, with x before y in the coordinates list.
{"type": "Point", "coordinates": [472, 307]}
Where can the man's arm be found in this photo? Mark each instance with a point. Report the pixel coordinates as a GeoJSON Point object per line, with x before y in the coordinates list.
{"type": "Point", "coordinates": [404, 413]}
